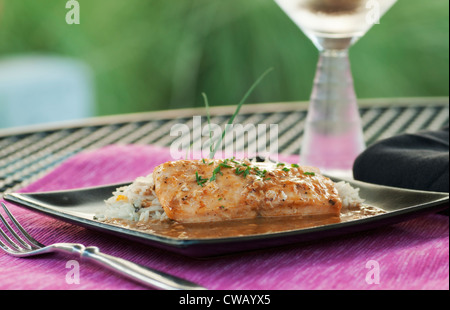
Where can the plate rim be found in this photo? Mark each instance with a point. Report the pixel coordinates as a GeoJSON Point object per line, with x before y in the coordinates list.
{"type": "Point", "coordinates": [23, 199]}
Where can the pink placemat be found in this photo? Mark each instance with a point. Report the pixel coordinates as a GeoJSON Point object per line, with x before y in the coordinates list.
{"type": "Point", "coordinates": [410, 255]}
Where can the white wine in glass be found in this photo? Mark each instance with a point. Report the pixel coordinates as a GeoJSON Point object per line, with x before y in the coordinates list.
{"type": "Point", "coordinates": [333, 134]}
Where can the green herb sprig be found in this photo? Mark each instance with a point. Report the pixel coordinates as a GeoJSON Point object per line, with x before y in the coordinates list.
{"type": "Point", "coordinates": [200, 181]}
{"type": "Point", "coordinates": [216, 171]}
{"type": "Point", "coordinates": [215, 145]}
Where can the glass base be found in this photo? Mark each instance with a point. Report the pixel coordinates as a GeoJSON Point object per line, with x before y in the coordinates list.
{"type": "Point", "coordinates": [333, 135]}
{"type": "Point", "coordinates": [332, 150]}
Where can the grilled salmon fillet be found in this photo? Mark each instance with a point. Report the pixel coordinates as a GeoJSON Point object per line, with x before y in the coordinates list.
{"type": "Point", "coordinates": [193, 191]}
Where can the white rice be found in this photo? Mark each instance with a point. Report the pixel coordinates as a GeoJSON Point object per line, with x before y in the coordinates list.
{"type": "Point", "coordinates": [349, 195]}
{"type": "Point", "coordinates": [127, 202]}
{"type": "Point", "coordinates": [136, 202]}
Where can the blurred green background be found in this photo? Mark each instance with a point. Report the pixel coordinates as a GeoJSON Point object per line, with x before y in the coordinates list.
{"type": "Point", "coordinates": [162, 54]}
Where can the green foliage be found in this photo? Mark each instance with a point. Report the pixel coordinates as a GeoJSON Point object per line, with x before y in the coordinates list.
{"type": "Point", "coordinates": [159, 54]}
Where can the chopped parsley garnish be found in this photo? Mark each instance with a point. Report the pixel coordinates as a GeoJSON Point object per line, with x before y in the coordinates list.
{"type": "Point", "coordinates": [200, 181]}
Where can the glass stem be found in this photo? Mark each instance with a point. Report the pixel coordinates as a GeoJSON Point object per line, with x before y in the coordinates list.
{"type": "Point", "coordinates": [333, 136]}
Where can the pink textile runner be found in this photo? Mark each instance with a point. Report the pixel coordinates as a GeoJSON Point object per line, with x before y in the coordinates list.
{"type": "Point", "coordinates": [409, 255]}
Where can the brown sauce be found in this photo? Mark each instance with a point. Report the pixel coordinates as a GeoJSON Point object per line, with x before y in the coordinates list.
{"type": "Point", "coordinates": [238, 228]}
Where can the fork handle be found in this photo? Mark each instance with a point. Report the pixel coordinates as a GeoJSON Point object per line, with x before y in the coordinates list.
{"type": "Point", "coordinates": [144, 275]}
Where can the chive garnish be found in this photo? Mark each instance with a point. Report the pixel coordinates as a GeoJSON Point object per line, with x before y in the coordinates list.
{"type": "Point", "coordinates": [208, 117]}
{"type": "Point", "coordinates": [239, 171]}
{"type": "Point", "coordinates": [215, 172]}
{"type": "Point", "coordinates": [286, 169]}
{"type": "Point", "coordinates": [260, 173]}
{"type": "Point", "coordinates": [295, 166]}
{"type": "Point", "coordinates": [214, 146]}
{"type": "Point", "coordinates": [309, 173]}
{"type": "Point", "coordinates": [217, 169]}
{"type": "Point", "coordinates": [199, 179]}
{"type": "Point", "coordinates": [246, 172]}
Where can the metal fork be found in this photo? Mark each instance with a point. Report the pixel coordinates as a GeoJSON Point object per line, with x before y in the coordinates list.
{"type": "Point", "coordinates": [20, 244]}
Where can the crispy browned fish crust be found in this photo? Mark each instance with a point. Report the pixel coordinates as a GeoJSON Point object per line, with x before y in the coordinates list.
{"type": "Point", "coordinates": [216, 190]}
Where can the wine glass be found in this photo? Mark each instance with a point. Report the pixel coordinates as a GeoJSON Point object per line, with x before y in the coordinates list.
{"type": "Point", "coordinates": [333, 134]}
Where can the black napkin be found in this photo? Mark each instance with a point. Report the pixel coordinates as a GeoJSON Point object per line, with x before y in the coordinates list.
{"type": "Point", "coordinates": [414, 161]}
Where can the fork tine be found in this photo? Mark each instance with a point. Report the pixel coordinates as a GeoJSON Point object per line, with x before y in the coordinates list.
{"type": "Point", "coordinates": [4, 246]}
{"type": "Point", "coordinates": [9, 241]}
{"type": "Point", "coordinates": [34, 242]}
